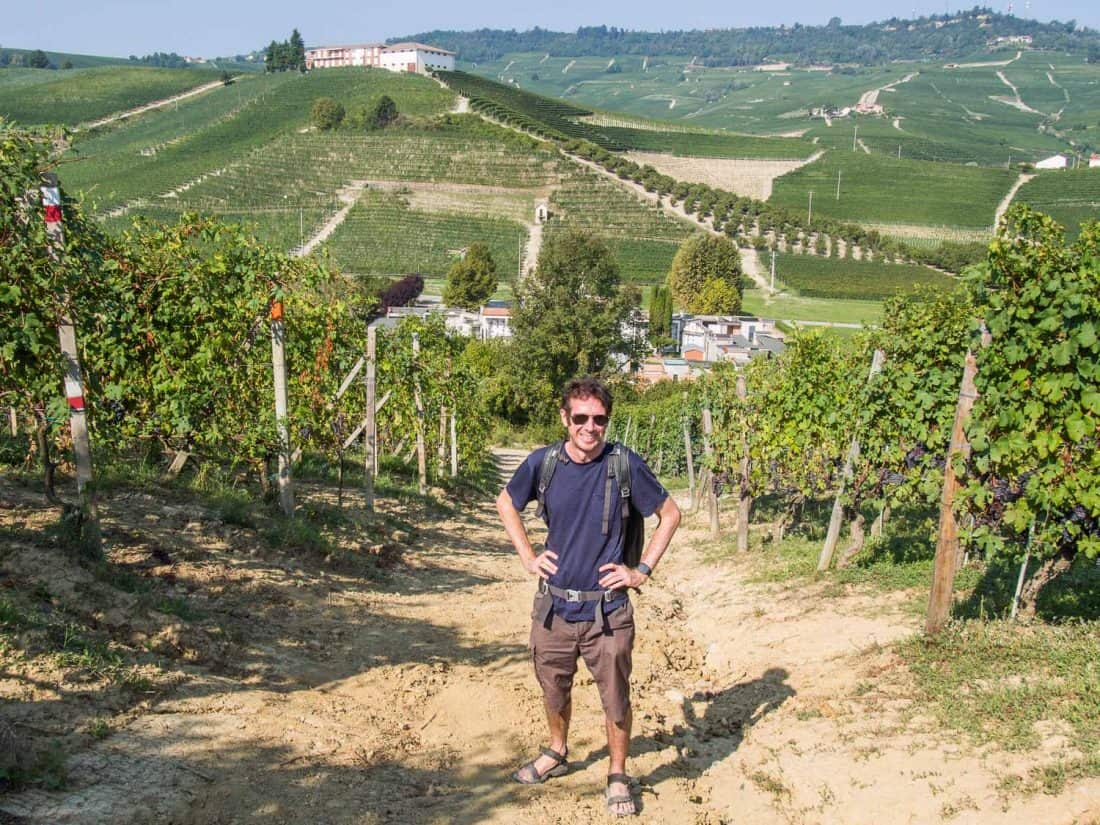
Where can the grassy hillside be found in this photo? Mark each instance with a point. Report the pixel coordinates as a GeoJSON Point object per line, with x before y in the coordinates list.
{"type": "Point", "coordinates": [554, 117]}
{"type": "Point", "coordinates": [118, 171]}
{"type": "Point", "coordinates": [32, 96]}
{"type": "Point", "coordinates": [78, 61]}
{"type": "Point", "coordinates": [1070, 196]}
{"type": "Point", "coordinates": [956, 112]}
{"type": "Point", "coordinates": [878, 189]}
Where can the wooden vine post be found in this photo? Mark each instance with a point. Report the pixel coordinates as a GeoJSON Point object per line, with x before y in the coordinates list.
{"type": "Point", "coordinates": [833, 534]}
{"type": "Point", "coordinates": [74, 379]}
{"type": "Point", "coordinates": [690, 463]}
{"type": "Point", "coordinates": [421, 456]}
{"type": "Point", "coordinates": [708, 449]}
{"type": "Point", "coordinates": [454, 447]}
{"type": "Point", "coordinates": [278, 368]}
{"type": "Point", "coordinates": [947, 542]}
{"type": "Point", "coordinates": [441, 451]}
{"type": "Point", "coordinates": [744, 501]}
{"type": "Point", "coordinates": [370, 436]}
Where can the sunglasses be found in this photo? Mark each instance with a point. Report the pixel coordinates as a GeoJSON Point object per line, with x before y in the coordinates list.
{"type": "Point", "coordinates": [580, 419]}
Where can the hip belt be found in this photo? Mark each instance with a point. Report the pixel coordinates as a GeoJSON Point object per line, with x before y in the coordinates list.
{"type": "Point", "coordinates": [545, 604]}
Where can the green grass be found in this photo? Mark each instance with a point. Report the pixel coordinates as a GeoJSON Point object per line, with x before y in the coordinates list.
{"type": "Point", "coordinates": [793, 308]}
{"type": "Point", "coordinates": [381, 235]}
{"type": "Point", "coordinates": [32, 96]}
{"type": "Point", "coordinates": [995, 681]}
{"type": "Point", "coordinates": [870, 187]}
{"type": "Point", "coordinates": [815, 276]}
{"type": "Point", "coordinates": [1070, 196]}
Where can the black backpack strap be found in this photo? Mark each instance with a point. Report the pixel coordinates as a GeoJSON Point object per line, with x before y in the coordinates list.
{"type": "Point", "coordinates": [546, 473]}
{"type": "Point", "coordinates": [618, 467]}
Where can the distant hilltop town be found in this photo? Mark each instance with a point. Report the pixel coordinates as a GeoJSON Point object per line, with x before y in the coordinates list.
{"type": "Point", "coordinates": [398, 57]}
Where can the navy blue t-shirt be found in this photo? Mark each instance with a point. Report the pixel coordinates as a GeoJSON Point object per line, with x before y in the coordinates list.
{"type": "Point", "coordinates": [574, 504]}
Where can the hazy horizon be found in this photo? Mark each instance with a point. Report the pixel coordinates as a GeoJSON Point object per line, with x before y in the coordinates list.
{"type": "Point", "coordinates": [119, 28]}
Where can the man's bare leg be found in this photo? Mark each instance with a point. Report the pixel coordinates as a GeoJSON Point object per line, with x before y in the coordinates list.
{"type": "Point", "coordinates": [559, 736]}
{"type": "Point", "coordinates": [618, 747]}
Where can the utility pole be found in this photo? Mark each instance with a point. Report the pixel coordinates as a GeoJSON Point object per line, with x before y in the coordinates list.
{"type": "Point", "coordinates": [838, 184]}
{"type": "Point", "coordinates": [810, 208]}
{"type": "Point", "coordinates": [855, 131]}
{"type": "Point", "coordinates": [773, 270]}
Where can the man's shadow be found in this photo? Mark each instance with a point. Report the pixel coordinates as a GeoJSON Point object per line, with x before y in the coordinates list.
{"type": "Point", "coordinates": [711, 727]}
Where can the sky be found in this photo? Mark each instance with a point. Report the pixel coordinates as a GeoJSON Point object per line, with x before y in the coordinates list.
{"type": "Point", "coordinates": [212, 28]}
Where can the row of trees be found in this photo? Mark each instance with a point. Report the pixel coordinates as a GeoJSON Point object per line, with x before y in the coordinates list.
{"type": "Point", "coordinates": [36, 59]}
{"type": "Point", "coordinates": [288, 56]}
{"type": "Point", "coordinates": [748, 219]}
{"type": "Point", "coordinates": [868, 44]}
{"type": "Point", "coordinates": [328, 114]}
{"type": "Point", "coordinates": [1031, 472]}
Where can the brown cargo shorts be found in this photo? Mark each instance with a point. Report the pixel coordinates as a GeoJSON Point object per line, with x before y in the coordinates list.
{"type": "Point", "coordinates": [555, 651]}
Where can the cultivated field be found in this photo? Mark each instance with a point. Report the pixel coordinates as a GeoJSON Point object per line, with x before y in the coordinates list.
{"type": "Point", "coordinates": [813, 276]}
{"type": "Point", "coordinates": [383, 235]}
{"type": "Point", "coordinates": [70, 97]}
{"type": "Point", "coordinates": [750, 178]}
{"type": "Point", "coordinates": [1070, 196]}
{"type": "Point", "coordinates": [885, 190]}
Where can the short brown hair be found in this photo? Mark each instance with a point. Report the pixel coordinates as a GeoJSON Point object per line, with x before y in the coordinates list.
{"type": "Point", "coordinates": [587, 387]}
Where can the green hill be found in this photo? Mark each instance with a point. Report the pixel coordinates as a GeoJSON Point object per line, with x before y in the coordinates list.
{"type": "Point", "coordinates": [1070, 196]}
{"type": "Point", "coordinates": [70, 97]}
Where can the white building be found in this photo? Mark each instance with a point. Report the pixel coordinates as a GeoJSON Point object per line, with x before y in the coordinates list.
{"type": "Point", "coordinates": [1053, 162]}
{"type": "Point", "coordinates": [328, 57]}
{"type": "Point", "coordinates": [400, 57]}
{"type": "Point", "coordinates": [1094, 161]}
{"type": "Point", "coordinates": [416, 57]}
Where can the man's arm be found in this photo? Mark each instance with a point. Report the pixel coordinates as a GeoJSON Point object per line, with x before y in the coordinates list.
{"type": "Point", "coordinates": [541, 564]}
{"type": "Point", "coordinates": [619, 575]}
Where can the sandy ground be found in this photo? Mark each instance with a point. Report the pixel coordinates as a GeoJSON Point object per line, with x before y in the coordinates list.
{"type": "Point", "coordinates": [329, 699]}
{"type": "Point", "coordinates": [747, 178]}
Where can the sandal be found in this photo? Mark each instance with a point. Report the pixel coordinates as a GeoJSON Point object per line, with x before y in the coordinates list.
{"type": "Point", "coordinates": [528, 774]}
{"type": "Point", "coordinates": [620, 799]}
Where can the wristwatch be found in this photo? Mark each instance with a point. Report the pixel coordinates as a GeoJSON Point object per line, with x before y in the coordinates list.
{"type": "Point", "coordinates": [644, 568]}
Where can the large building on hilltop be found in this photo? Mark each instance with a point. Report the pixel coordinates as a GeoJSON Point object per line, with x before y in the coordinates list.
{"type": "Point", "coordinates": [400, 57]}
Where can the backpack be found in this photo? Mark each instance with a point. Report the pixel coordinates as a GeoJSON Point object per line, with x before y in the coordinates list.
{"type": "Point", "coordinates": [618, 467]}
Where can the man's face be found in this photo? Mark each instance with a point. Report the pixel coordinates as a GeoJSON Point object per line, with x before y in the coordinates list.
{"type": "Point", "coordinates": [587, 436]}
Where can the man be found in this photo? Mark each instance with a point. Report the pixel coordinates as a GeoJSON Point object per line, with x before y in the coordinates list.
{"type": "Point", "coordinates": [581, 608]}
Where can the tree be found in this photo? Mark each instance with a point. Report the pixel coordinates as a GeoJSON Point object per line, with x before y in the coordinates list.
{"type": "Point", "coordinates": [703, 258]}
{"type": "Point", "coordinates": [569, 316]}
{"type": "Point", "coordinates": [38, 60]}
{"type": "Point", "coordinates": [327, 113]}
{"type": "Point", "coordinates": [717, 297]}
{"type": "Point", "coordinates": [660, 316]}
{"type": "Point", "coordinates": [402, 292]}
{"type": "Point", "coordinates": [226, 78]}
{"type": "Point", "coordinates": [384, 113]}
{"type": "Point", "coordinates": [471, 280]}
{"type": "Point", "coordinates": [296, 53]}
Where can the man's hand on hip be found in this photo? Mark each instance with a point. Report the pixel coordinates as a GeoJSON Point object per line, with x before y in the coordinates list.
{"type": "Point", "coordinates": [543, 564]}
{"type": "Point", "coordinates": [616, 576]}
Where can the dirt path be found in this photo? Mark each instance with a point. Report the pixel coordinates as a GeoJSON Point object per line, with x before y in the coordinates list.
{"type": "Point", "coordinates": [348, 196]}
{"type": "Point", "coordinates": [156, 104]}
{"type": "Point", "coordinates": [1006, 201]}
{"type": "Point", "coordinates": [326, 698]}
